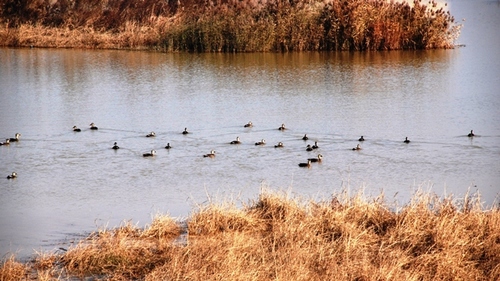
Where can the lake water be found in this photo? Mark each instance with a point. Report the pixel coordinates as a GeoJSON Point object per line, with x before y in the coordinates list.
{"type": "Point", "coordinates": [73, 183]}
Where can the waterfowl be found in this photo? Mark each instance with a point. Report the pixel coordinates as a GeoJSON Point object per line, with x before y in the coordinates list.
{"type": "Point", "coordinates": [93, 126]}
{"type": "Point", "coordinates": [211, 154]}
{"type": "Point", "coordinates": [6, 142]}
{"type": "Point", "coordinates": [248, 125]}
{"type": "Point", "coordinates": [168, 146]}
{"type": "Point", "coordinates": [185, 132]}
{"type": "Point", "coordinates": [305, 137]}
{"type": "Point", "coordinates": [152, 134]}
{"type": "Point", "coordinates": [358, 147]}
{"type": "Point", "coordinates": [282, 128]}
{"type": "Point", "coordinates": [320, 157]}
{"type": "Point", "coordinates": [315, 146]}
{"type": "Point", "coordinates": [471, 134]}
{"type": "Point", "coordinates": [309, 148]}
{"type": "Point", "coordinates": [308, 164]}
{"type": "Point", "coordinates": [115, 146]}
{"type": "Point", "coordinates": [12, 176]}
{"type": "Point", "coordinates": [406, 140]}
{"type": "Point", "coordinates": [280, 144]}
{"type": "Point", "coordinates": [16, 138]}
{"type": "Point", "coordinates": [361, 138]}
{"type": "Point", "coordinates": [237, 141]}
{"type": "Point", "coordinates": [149, 154]}
{"type": "Point", "coordinates": [76, 129]}
{"type": "Point", "coordinates": [262, 142]}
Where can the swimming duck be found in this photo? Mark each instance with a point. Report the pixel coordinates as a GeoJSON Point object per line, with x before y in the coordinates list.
{"type": "Point", "coordinates": [237, 141]}
{"type": "Point", "coordinates": [358, 147]}
{"type": "Point", "coordinates": [305, 137]}
{"type": "Point", "coordinates": [320, 157]}
{"type": "Point", "coordinates": [16, 138]}
{"type": "Point", "coordinates": [406, 140]}
{"type": "Point", "coordinates": [308, 164]}
{"type": "Point", "coordinates": [76, 129]}
{"type": "Point", "coordinates": [6, 142]}
{"type": "Point", "coordinates": [282, 128]}
{"type": "Point", "coordinates": [12, 176]}
{"type": "Point", "coordinates": [185, 132]}
{"type": "Point", "coordinates": [149, 154]}
{"type": "Point", "coordinates": [93, 126]}
{"type": "Point", "coordinates": [152, 134]}
{"type": "Point", "coordinates": [309, 148]}
{"type": "Point", "coordinates": [361, 138]}
{"type": "Point", "coordinates": [315, 146]}
{"type": "Point", "coordinates": [168, 146]}
{"type": "Point", "coordinates": [280, 144]}
{"type": "Point", "coordinates": [471, 134]}
{"type": "Point", "coordinates": [262, 142]}
{"type": "Point", "coordinates": [248, 125]}
{"type": "Point", "coordinates": [211, 154]}
{"type": "Point", "coordinates": [115, 146]}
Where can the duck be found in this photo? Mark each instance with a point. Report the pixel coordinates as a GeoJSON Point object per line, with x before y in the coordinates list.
{"type": "Point", "coordinates": [308, 164]}
{"type": "Point", "coordinates": [358, 147]}
{"type": "Point", "coordinates": [149, 154]}
{"type": "Point", "coordinates": [76, 129]}
{"type": "Point", "coordinates": [93, 126]}
{"type": "Point", "coordinates": [315, 146]}
{"type": "Point", "coordinates": [185, 132]}
{"type": "Point", "coordinates": [406, 140]}
{"type": "Point", "coordinates": [237, 141]}
{"type": "Point", "coordinates": [115, 146]}
{"type": "Point", "coordinates": [168, 146]}
{"type": "Point", "coordinates": [262, 142]}
{"type": "Point", "coordinates": [210, 155]}
{"type": "Point", "coordinates": [152, 134]}
{"type": "Point", "coordinates": [471, 134]}
{"type": "Point", "coordinates": [320, 157]}
{"type": "Point", "coordinates": [248, 125]}
{"type": "Point", "coordinates": [280, 144]}
{"type": "Point", "coordinates": [305, 137]}
{"type": "Point", "coordinates": [309, 148]}
{"type": "Point", "coordinates": [16, 138]}
{"type": "Point", "coordinates": [282, 128]}
{"type": "Point", "coordinates": [6, 142]}
{"type": "Point", "coordinates": [361, 138]}
{"type": "Point", "coordinates": [12, 176]}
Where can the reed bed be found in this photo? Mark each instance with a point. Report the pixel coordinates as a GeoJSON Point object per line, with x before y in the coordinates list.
{"type": "Point", "coordinates": [278, 237]}
{"type": "Point", "coordinates": [228, 25]}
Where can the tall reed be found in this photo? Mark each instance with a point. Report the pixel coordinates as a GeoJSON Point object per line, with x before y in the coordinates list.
{"type": "Point", "coordinates": [278, 237]}
{"type": "Point", "coordinates": [228, 25]}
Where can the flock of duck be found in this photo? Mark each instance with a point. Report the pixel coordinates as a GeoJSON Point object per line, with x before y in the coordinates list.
{"type": "Point", "coordinates": [152, 153]}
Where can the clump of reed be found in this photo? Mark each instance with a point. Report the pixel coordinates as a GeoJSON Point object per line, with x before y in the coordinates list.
{"type": "Point", "coordinates": [228, 25]}
{"type": "Point", "coordinates": [277, 237]}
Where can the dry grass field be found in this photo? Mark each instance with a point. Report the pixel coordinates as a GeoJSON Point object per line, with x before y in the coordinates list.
{"type": "Point", "coordinates": [228, 25]}
{"type": "Point", "coordinates": [277, 237]}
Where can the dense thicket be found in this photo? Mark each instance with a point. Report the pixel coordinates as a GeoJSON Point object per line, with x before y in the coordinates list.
{"type": "Point", "coordinates": [229, 25]}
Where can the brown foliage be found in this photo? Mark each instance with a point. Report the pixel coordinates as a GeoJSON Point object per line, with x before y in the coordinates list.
{"type": "Point", "coordinates": [228, 25]}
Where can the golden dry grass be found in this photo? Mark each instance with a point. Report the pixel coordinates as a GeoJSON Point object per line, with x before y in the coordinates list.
{"type": "Point", "coordinates": [277, 237]}
{"type": "Point", "coordinates": [228, 25]}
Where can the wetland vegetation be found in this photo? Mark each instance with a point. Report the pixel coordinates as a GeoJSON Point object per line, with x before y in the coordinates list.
{"type": "Point", "coordinates": [228, 25]}
{"type": "Point", "coordinates": [279, 237]}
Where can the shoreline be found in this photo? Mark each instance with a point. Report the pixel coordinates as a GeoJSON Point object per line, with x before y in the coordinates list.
{"type": "Point", "coordinates": [342, 238]}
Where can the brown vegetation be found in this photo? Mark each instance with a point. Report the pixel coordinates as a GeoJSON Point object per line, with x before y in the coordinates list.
{"type": "Point", "coordinates": [282, 238]}
{"type": "Point", "coordinates": [227, 25]}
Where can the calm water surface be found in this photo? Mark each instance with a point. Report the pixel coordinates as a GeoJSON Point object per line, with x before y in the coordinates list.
{"type": "Point", "coordinates": [73, 183]}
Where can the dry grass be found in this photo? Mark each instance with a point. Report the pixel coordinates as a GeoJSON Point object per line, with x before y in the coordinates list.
{"type": "Point", "coordinates": [281, 238]}
{"type": "Point", "coordinates": [227, 25]}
